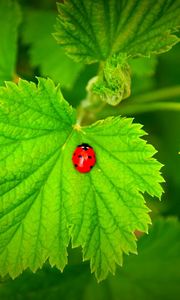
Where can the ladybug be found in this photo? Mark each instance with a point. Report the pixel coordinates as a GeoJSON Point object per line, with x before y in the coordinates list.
{"type": "Point", "coordinates": [84, 158]}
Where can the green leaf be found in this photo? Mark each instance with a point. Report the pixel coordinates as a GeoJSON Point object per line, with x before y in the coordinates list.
{"type": "Point", "coordinates": [44, 51]}
{"type": "Point", "coordinates": [93, 30]}
{"type": "Point", "coordinates": [45, 202]}
{"type": "Point", "coordinates": [158, 251]}
{"type": "Point", "coordinates": [113, 83]}
{"type": "Point", "coordinates": [9, 20]}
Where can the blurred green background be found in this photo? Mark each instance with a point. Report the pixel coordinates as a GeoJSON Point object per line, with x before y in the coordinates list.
{"type": "Point", "coordinates": [155, 272]}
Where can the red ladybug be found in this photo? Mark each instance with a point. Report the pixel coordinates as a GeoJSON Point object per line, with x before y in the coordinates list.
{"type": "Point", "coordinates": [84, 158]}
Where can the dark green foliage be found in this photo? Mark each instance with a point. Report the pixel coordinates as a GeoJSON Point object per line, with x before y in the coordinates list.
{"type": "Point", "coordinates": [46, 206]}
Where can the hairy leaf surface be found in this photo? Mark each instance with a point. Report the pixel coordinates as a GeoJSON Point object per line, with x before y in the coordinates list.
{"type": "Point", "coordinates": [77, 284]}
{"type": "Point", "coordinates": [45, 202]}
{"type": "Point", "coordinates": [93, 30]}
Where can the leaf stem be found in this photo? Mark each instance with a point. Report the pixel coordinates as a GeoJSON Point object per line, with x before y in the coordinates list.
{"type": "Point", "coordinates": [145, 103]}
{"type": "Point", "coordinates": [157, 95]}
{"type": "Point", "coordinates": [138, 108]}
{"type": "Point", "coordinates": [142, 108]}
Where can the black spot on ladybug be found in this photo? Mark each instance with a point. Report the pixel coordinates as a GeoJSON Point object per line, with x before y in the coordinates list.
{"type": "Point", "coordinates": [91, 167]}
{"type": "Point", "coordinates": [79, 156]}
{"type": "Point", "coordinates": [76, 165]}
{"type": "Point", "coordinates": [89, 156]}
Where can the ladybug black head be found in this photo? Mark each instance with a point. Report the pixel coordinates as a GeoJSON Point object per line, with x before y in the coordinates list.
{"type": "Point", "coordinates": [85, 146]}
